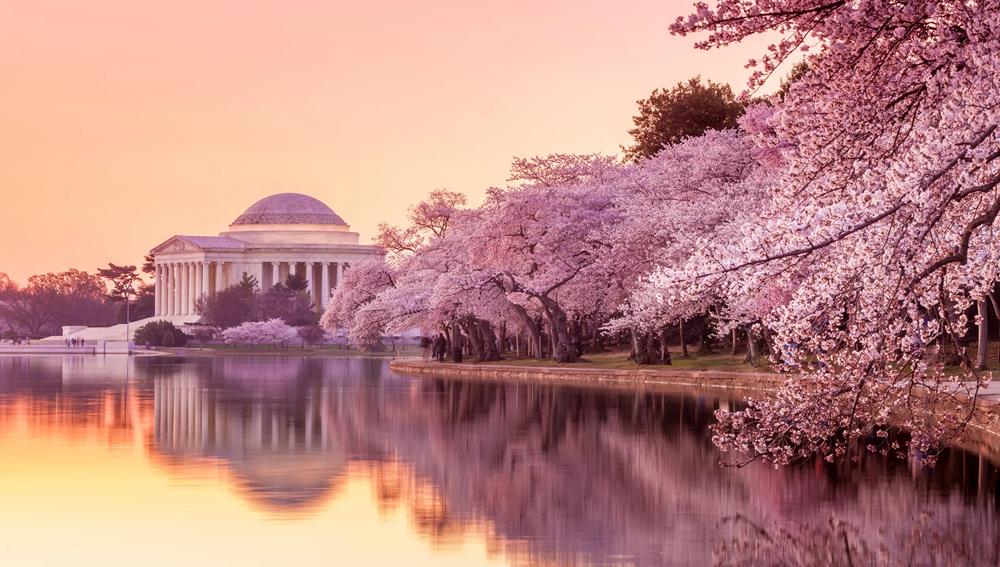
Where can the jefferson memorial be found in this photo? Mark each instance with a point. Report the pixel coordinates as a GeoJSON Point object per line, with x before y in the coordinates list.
{"type": "Point", "coordinates": [287, 233]}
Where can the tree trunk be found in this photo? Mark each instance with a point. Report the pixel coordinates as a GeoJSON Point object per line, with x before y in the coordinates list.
{"type": "Point", "coordinates": [664, 347]}
{"type": "Point", "coordinates": [534, 329]}
{"type": "Point", "coordinates": [447, 338]}
{"type": "Point", "coordinates": [751, 348]}
{"type": "Point", "coordinates": [576, 336]}
{"type": "Point", "coordinates": [733, 350]}
{"type": "Point", "coordinates": [562, 344]}
{"type": "Point", "coordinates": [984, 335]}
{"type": "Point", "coordinates": [653, 348]}
{"type": "Point", "coordinates": [684, 347]}
{"type": "Point", "coordinates": [542, 338]}
{"type": "Point", "coordinates": [638, 348]}
{"type": "Point", "coordinates": [705, 340]}
{"type": "Point", "coordinates": [768, 340]}
{"type": "Point", "coordinates": [553, 347]}
{"type": "Point", "coordinates": [456, 342]}
{"type": "Point", "coordinates": [645, 348]}
{"type": "Point", "coordinates": [491, 350]}
{"type": "Point", "coordinates": [596, 339]}
{"type": "Point", "coordinates": [474, 343]}
{"type": "Point", "coordinates": [996, 310]}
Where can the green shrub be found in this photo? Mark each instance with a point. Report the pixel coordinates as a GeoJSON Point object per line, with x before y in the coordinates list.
{"type": "Point", "coordinates": [160, 333]}
{"type": "Point", "coordinates": [167, 340]}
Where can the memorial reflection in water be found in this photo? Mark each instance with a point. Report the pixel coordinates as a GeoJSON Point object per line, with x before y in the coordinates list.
{"type": "Point", "coordinates": [534, 474]}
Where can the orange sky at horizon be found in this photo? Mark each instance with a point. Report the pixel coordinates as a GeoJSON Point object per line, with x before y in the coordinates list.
{"type": "Point", "coordinates": [125, 123]}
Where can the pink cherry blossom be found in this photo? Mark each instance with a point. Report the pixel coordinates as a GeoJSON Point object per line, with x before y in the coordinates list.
{"type": "Point", "coordinates": [877, 235]}
{"type": "Point", "coordinates": [270, 332]}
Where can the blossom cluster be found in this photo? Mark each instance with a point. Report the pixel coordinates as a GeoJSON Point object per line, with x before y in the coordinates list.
{"type": "Point", "coordinates": [270, 332]}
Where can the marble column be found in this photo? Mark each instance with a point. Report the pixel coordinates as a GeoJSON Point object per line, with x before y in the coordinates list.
{"type": "Point", "coordinates": [164, 289]}
{"type": "Point", "coordinates": [310, 288]}
{"type": "Point", "coordinates": [204, 279]}
{"type": "Point", "coordinates": [161, 283]}
{"type": "Point", "coordinates": [185, 288]}
{"type": "Point", "coordinates": [173, 289]}
{"type": "Point", "coordinates": [195, 285]}
{"type": "Point", "coordinates": [191, 279]}
{"type": "Point", "coordinates": [258, 272]}
{"type": "Point", "coordinates": [275, 274]}
{"type": "Point", "coordinates": [190, 287]}
{"type": "Point", "coordinates": [340, 274]}
{"type": "Point", "coordinates": [220, 269]}
{"type": "Point", "coordinates": [178, 283]}
{"type": "Point", "coordinates": [165, 301]}
{"type": "Point", "coordinates": [156, 290]}
{"type": "Point", "coordinates": [179, 266]}
{"type": "Point", "coordinates": [324, 291]}
{"type": "Point", "coordinates": [199, 289]}
{"type": "Point", "coordinates": [193, 271]}
{"type": "Point", "coordinates": [196, 271]}
{"type": "Point", "coordinates": [292, 267]}
{"type": "Point", "coordinates": [180, 287]}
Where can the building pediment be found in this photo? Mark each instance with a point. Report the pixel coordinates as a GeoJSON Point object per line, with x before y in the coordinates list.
{"type": "Point", "coordinates": [184, 243]}
{"type": "Point", "coordinates": [174, 244]}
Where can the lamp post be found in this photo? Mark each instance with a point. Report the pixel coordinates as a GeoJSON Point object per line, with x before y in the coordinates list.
{"type": "Point", "coordinates": [128, 317]}
{"type": "Point", "coordinates": [122, 279]}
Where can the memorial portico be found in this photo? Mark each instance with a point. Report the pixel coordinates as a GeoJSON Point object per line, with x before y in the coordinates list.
{"type": "Point", "coordinates": [278, 236]}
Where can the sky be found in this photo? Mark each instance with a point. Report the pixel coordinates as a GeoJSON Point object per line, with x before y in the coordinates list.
{"type": "Point", "coordinates": [123, 123]}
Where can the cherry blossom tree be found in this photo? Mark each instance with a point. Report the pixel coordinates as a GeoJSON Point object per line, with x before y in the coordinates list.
{"type": "Point", "coordinates": [436, 291]}
{"type": "Point", "coordinates": [392, 294]}
{"type": "Point", "coordinates": [270, 332]}
{"type": "Point", "coordinates": [542, 241]}
{"type": "Point", "coordinates": [362, 284]}
{"type": "Point", "coordinates": [428, 219]}
{"type": "Point", "coordinates": [427, 283]}
{"type": "Point", "coordinates": [878, 236]}
{"type": "Point", "coordinates": [688, 194]}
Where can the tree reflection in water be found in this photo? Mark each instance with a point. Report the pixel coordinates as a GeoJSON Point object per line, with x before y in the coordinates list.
{"type": "Point", "coordinates": [550, 474]}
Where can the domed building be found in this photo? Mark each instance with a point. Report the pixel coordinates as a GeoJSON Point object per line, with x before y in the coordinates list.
{"type": "Point", "coordinates": [287, 233]}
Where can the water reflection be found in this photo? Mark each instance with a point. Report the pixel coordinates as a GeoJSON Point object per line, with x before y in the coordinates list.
{"type": "Point", "coordinates": [541, 474]}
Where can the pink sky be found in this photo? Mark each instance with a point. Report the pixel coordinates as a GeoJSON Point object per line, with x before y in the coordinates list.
{"type": "Point", "coordinates": [126, 122]}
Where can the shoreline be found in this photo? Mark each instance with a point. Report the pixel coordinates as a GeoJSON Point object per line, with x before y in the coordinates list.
{"type": "Point", "coordinates": [639, 378]}
{"type": "Point", "coordinates": [310, 352]}
{"type": "Point", "coordinates": [289, 352]}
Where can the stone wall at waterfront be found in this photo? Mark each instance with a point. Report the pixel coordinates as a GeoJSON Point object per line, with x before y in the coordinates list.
{"type": "Point", "coordinates": [576, 375]}
{"type": "Point", "coordinates": [48, 349]}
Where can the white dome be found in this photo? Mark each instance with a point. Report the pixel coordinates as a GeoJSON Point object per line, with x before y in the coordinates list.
{"type": "Point", "coordinates": [289, 208]}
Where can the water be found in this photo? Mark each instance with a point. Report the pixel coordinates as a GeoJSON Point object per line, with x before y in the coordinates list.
{"type": "Point", "coordinates": [279, 461]}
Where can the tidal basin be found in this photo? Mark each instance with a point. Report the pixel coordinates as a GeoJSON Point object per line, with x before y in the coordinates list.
{"type": "Point", "coordinates": [242, 460]}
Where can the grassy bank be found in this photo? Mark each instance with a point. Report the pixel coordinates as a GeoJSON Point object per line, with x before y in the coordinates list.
{"type": "Point", "coordinates": [613, 374]}
{"type": "Point", "coordinates": [619, 360]}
